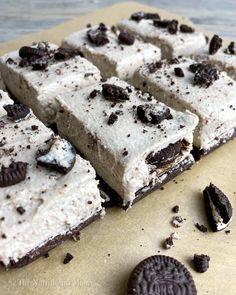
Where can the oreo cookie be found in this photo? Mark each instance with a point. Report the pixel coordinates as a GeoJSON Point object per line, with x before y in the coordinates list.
{"type": "Point", "coordinates": [126, 38]}
{"type": "Point", "coordinates": [186, 29]}
{"type": "Point", "coordinates": [151, 113]}
{"type": "Point", "coordinates": [61, 156]}
{"type": "Point", "coordinates": [161, 23]}
{"type": "Point", "coordinates": [15, 173]}
{"type": "Point", "coordinates": [138, 16]}
{"type": "Point", "coordinates": [98, 36]}
{"type": "Point", "coordinates": [173, 27]}
{"type": "Point", "coordinates": [231, 49]}
{"type": "Point", "coordinates": [161, 275]}
{"type": "Point", "coordinates": [17, 112]}
{"type": "Point", "coordinates": [201, 262]}
{"type": "Point", "coordinates": [218, 208]}
{"type": "Point", "coordinates": [165, 156]}
{"type": "Point", "coordinates": [115, 93]}
{"type": "Point", "coordinates": [29, 52]}
{"type": "Point", "coordinates": [215, 44]}
{"type": "Point", "coordinates": [66, 53]}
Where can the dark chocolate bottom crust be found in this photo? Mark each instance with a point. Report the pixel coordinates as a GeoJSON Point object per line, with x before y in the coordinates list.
{"type": "Point", "coordinates": [115, 198]}
{"type": "Point", "coordinates": [199, 153]}
{"type": "Point", "coordinates": [49, 245]}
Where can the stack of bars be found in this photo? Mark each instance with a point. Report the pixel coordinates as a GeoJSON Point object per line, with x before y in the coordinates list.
{"type": "Point", "coordinates": [138, 103]}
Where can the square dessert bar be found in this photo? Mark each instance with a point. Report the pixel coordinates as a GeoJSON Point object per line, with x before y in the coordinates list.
{"type": "Point", "coordinates": [135, 143]}
{"type": "Point", "coordinates": [48, 193]}
{"type": "Point", "coordinates": [224, 58]}
{"type": "Point", "coordinates": [115, 53]}
{"type": "Point", "coordinates": [36, 74]}
{"type": "Point", "coordinates": [4, 99]}
{"type": "Point", "coordinates": [184, 84]}
{"type": "Point", "coordinates": [173, 39]}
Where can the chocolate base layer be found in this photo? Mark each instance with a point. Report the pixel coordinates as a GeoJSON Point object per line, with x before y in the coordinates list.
{"type": "Point", "coordinates": [199, 153]}
{"type": "Point", "coordinates": [115, 198]}
{"type": "Point", "coordinates": [49, 245]}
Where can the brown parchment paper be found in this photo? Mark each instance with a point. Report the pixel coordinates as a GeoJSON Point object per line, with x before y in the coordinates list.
{"type": "Point", "coordinates": [110, 248]}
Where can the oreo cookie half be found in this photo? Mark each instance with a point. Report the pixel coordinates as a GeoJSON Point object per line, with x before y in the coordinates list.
{"type": "Point", "coordinates": [61, 156]}
{"type": "Point", "coordinates": [161, 275]}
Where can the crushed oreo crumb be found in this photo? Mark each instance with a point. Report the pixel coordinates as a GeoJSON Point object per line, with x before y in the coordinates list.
{"type": "Point", "coordinates": [177, 221]}
{"type": "Point", "coordinates": [201, 262]}
{"type": "Point", "coordinates": [215, 44]}
{"type": "Point", "coordinates": [94, 93]}
{"type": "Point", "coordinates": [138, 16]}
{"type": "Point", "coordinates": [179, 72]}
{"type": "Point", "coordinates": [205, 75]}
{"type": "Point", "coordinates": [98, 36]}
{"type": "Point", "coordinates": [114, 92]}
{"type": "Point", "coordinates": [186, 29]}
{"type": "Point", "coordinates": [175, 209]}
{"type": "Point", "coordinates": [66, 53]}
{"type": "Point", "coordinates": [232, 48]}
{"type": "Point", "coordinates": [15, 173]}
{"type": "Point", "coordinates": [201, 227]}
{"type": "Point", "coordinates": [112, 119]}
{"type": "Point", "coordinates": [20, 210]}
{"type": "Point", "coordinates": [126, 38]}
{"type": "Point", "coordinates": [173, 27]}
{"type": "Point", "coordinates": [68, 258]}
{"type": "Point", "coordinates": [152, 113]}
{"type": "Point", "coordinates": [153, 67]}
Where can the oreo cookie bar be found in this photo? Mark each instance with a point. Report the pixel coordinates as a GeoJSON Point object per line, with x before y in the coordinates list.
{"type": "Point", "coordinates": [200, 88]}
{"type": "Point", "coordinates": [173, 38]}
{"type": "Point", "coordinates": [36, 74]}
{"type": "Point", "coordinates": [4, 100]}
{"type": "Point", "coordinates": [114, 52]}
{"type": "Point", "coordinates": [134, 142]}
{"type": "Point", "coordinates": [224, 58]}
{"type": "Point", "coordinates": [48, 193]}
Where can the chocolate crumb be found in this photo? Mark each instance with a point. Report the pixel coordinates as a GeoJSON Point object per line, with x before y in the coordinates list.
{"type": "Point", "coordinates": [94, 93]}
{"type": "Point", "coordinates": [215, 44]}
{"type": "Point", "coordinates": [186, 29]}
{"type": "Point", "coordinates": [68, 258]}
{"type": "Point", "coordinates": [175, 209]}
{"type": "Point", "coordinates": [179, 72]}
{"type": "Point", "coordinates": [112, 119]}
{"type": "Point", "coordinates": [46, 255]}
{"type": "Point", "coordinates": [202, 227]}
{"type": "Point", "coordinates": [201, 262]}
{"type": "Point", "coordinates": [227, 232]}
{"type": "Point", "coordinates": [20, 210]}
{"type": "Point", "coordinates": [125, 153]}
{"type": "Point", "coordinates": [177, 221]}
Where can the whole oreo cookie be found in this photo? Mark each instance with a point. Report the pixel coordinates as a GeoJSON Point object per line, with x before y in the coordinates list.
{"type": "Point", "coordinates": [161, 275]}
{"type": "Point", "coordinates": [15, 173]}
{"type": "Point", "coordinates": [17, 112]}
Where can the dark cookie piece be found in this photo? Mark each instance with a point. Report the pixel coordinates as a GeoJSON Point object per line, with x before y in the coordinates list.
{"type": "Point", "coordinates": [13, 174]}
{"type": "Point", "coordinates": [151, 113]}
{"type": "Point", "coordinates": [138, 16]}
{"type": "Point", "coordinates": [175, 209]}
{"type": "Point", "coordinates": [66, 53]}
{"type": "Point", "coordinates": [161, 275]}
{"type": "Point", "coordinates": [153, 67]}
{"type": "Point", "coordinates": [68, 258]}
{"type": "Point", "coordinates": [186, 29]}
{"type": "Point", "coordinates": [232, 48]}
{"type": "Point", "coordinates": [161, 23]}
{"type": "Point", "coordinates": [112, 119]}
{"type": "Point", "coordinates": [201, 262]}
{"type": "Point", "coordinates": [201, 227]}
{"type": "Point", "coordinates": [17, 112]}
{"type": "Point", "coordinates": [215, 44]}
{"type": "Point", "coordinates": [39, 64]}
{"type": "Point", "coordinates": [29, 52]}
{"type": "Point", "coordinates": [115, 93]}
{"type": "Point", "coordinates": [165, 156]}
{"type": "Point", "coordinates": [218, 208]}
{"type": "Point", "coordinates": [205, 75]}
{"type": "Point", "coordinates": [94, 93]}
{"type": "Point", "coordinates": [98, 36]}
{"type": "Point", "coordinates": [179, 72]}
{"type": "Point", "coordinates": [61, 156]}
{"type": "Point", "coordinates": [20, 210]}
{"type": "Point", "coordinates": [173, 27]}
{"type": "Point", "coordinates": [196, 67]}
{"type": "Point", "coordinates": [126, 38]}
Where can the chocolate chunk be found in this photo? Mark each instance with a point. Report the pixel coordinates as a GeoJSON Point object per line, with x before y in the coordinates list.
{"type": "Point", "coordinates": [200, 227]}
{"type": "Point", "coordinates": [29, 52]}
{"type": "Point", "coordinates": [126, 38]}
{"type": "Point", "coordinates": [205, 75]}
{"type": "Point", "coordinates": [161, 275]}
{"type": "Point", "coordinates": [98, 36]}
{"type": "Point", "coordinates": [20, 210]}
{"type": "Point", "coordinates": [15, 173]}
{"type": "Point", "coordinates": [173, 61]}
{"type": "Point", "coordinates": [66, 53]}
{"type": "Point", "coordinates": [186, 29]}
{"type": "Point", "coordinates": [173, 27]}
{"type": "Point", "coordinates": [68, 258]}
{"type": "Point", "coordinates": [201, 262]}
{"type": "Point", "coordinates": [232, 48]}
{"type": "Point", "coordinates": [175, 209]}
{"type": "Point", "coordinates": [61, 156]}
{"type": "Point", "coordinates": [165, 156]}
{"type": "Point", "coordinates": [161, 23]}
{"type": "Point", "coordinates": [138, 16]}
{"type": "Point", "coordinates": [218, 208]}
{"type": "Point", "coordinates": [179, 72]}
{"type": "Point", "coordinates": [94, 93]}
{"type": "Point", "coordinates": [215, 44]}
{"type": "Point", "coordinates": [115, 93]}
{"type": "Point", "coordinates": [17, 112]}
{"type": "Point", "coordinates": [152, 113]}
{"type": "Point", "coordinates": [112, 119]}
{"type": "Point", "coordinates": [153, 67]}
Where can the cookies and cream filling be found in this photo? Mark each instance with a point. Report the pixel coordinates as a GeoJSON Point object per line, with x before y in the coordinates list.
{"type": "Point", "coordinates": [201, 89]}
{"type": "Point", "coordinates": [131, 139]}
{"type": "Point", "coordinates": [38, 202]}
{"type": "Point", "coordinates": [36, 74]}
{"type": "Point", "coordinates": [114, 52]}
{"type": "Point", "coordinates": [173, 38]}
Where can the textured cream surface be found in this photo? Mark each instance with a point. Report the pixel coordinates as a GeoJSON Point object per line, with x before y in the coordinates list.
{"type": "Point", "coordinates": [172, 45]}
{"type": "Point", "coordinates": [85, 123]}
{"type": "Point", "coordinates": [38, 89]}
{"type": "Point", "coordinates": [54, 203]}
{"type": "Point", "coordinates": [114, 58]}
{"type": "Point", "coordinates": [215, 105]}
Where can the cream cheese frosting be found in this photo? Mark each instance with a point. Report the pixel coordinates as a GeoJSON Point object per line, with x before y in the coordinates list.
{"type": "Point", "coordinates": [51, 203]}
{"type": "Point", "coordinates": [38, 88]}
{"type": "Point", "coordinates": [116, 141]}
{"type": "Point", "coordinates": [113, 58]}
{"type": "Point", "coordinates": [172, 45]}
{"type": "Point", "coordinates": [215, 106]}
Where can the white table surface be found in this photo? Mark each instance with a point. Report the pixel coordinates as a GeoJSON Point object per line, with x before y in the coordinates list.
{"type": "Point", "coordinates": [20, 17]}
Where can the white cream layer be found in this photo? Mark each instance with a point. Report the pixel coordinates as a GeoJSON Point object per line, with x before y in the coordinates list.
{"type": "Point", "coordinates": [4, 99]}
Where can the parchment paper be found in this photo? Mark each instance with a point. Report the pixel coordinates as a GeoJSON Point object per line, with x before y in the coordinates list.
{"type": "Point", "coordinates": [110, 248]}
